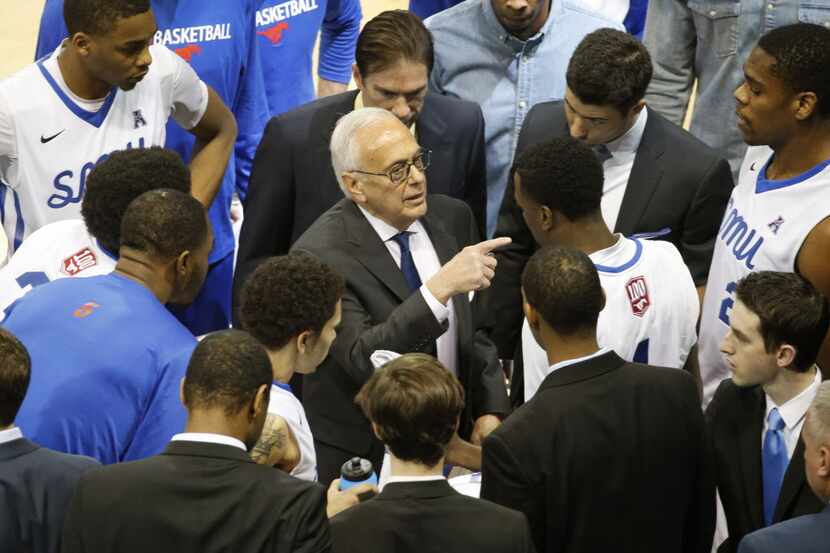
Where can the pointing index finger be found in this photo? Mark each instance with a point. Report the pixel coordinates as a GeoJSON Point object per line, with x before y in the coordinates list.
{"type": "Point", "coordinates": [490, 245]}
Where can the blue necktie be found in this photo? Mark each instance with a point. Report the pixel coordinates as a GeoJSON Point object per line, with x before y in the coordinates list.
{"type": "Point", "coordinates": [410, 273]}
{"type": "Point", "coordinates": [775, 461]}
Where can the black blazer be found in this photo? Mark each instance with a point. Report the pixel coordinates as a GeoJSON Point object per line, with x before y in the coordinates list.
{"type": "Point", "coordinates": [379, 312]}
{"type": "Point", "coordinates": [427, 517]}
{"type": "Point", "coordinates": [292, 180]}
{"type": "Point", "coordinates": [195, 497]}
{"type": "Point", "coordinates": [735, 420]}
{"type": "Point", "coordinates": [36, 485]}
{"type": "Point", "coordinates": [678, 188]}
{"type": "Point", "coordinates": [607, 456]}
{"type": "Point", "coordinates": [804, 534]}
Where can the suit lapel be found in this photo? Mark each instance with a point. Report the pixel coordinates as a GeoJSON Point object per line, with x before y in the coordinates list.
{"type": "Point", "coordinates": [371, 252]}
{"type": "Point", "coordinates": [749, 449]}
{"type": "Point", "coordinates": [646, 174]}
{"type": "Point", "coordinates": [794, 479]}
{"type": "Point", "coordinates": [329, 117]}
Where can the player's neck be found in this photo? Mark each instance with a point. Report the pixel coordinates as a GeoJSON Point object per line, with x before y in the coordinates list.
{"type": "Point", "coordinates": [140, 270]}
{"type": "Point", "coordinates": [78, 79]}
{"type": "Point", "coordinates": [406, 468]}
{"type": "Point", "coordinates": [283, 362]}
{"type": "Point", "coordinates": [589, 235]}
{"type": "Point", "coordinates": [788, 384]}
{"type": "Point", "coordinates": [800, 154]}
{"type": "Point", "coordinates": [214, 421]}
{"type": "Point", "coordinates": [564, 348]}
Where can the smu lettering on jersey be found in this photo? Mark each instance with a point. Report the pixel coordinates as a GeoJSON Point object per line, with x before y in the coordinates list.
{"type": "Point", "coordinates": [765, 223]}
{"type": "Point", "coordinates": [57, 142]}
{"type": "Point", "coordinates": [58, 250]}
{"type": "Point", "coordinates": [651, 308]}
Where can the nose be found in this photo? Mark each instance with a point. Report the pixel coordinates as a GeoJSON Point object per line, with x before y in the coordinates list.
{"type": "Point", "coordinates": [726, 344]}
{"type": "Point", "coordinates": [517, 5]}
{"type": "Point", "coordinates": [146, 58]}
{"type": "Point", "coordinates": [401, 109]}
{"type": "Point", "coordinates": [578, 128]}
{"type": "Point", "coordinates": [740, 94]}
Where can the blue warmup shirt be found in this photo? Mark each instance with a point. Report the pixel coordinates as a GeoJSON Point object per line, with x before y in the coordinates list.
{"type": "Point", "coordinates": [287, 31]}
{"type": "Point", "coordinates": [425, 8]}
{"type": "Point", "coordinates": [220, 45]}
{"type": "Point", "coordinates": [107, 360]}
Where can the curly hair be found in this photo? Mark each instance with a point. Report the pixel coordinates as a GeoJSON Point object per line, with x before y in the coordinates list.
{"type": "Point", "coordinates": [288, 295]}
{"type": "Point", "coordinates": [98, 17]}
{"type": "Point", "coordinates": [15, 372]}
{"type": "Point", "coordinates": [122, 177]}
{"type": "Point", "coordinates": [164, 223]}
{"type": "Point", "coordinates": [563, 174]}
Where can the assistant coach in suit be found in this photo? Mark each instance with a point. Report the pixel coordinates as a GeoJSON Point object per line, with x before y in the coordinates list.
{"type": "Point", "coordinates": [608, 455]}
{"type": "Point", "coordinates": [36, 483]}
{"type": "Point", "coordinates": [808, 533]}
{"type": "Point", "coordinates": [755, 419]}
{"type": "Point", "coordinates": [408, 272]}
{"type": "Point", "coordinates": [292, 182]}
{"type": "Point", "coordinates": [659, 180]}
{"type": "Point", "coordinates": [204, 493]}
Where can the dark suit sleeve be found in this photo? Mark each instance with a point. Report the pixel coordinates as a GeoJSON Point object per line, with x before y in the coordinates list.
{"type": "Point", "coordinates": [269, 206]}
{"type": "Point", "coordinates": [700, 228]}
{"type": "Point", "coordinates": [524, 539]}
{"type": "Point", "coordinates": [475, 185]}
{"type": "Point", "coordinates": [751, 543]}
{"type": "Point", "coordinates": [312, 535]}
{"type": "Point", "coordinates": [72, 538]}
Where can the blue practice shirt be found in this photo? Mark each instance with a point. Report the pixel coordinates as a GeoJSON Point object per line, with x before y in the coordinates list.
{"type": "Point", "coordinates": [287, 31]}
{"type": "Point", "coordinates": [425, 8]}
{"type": "Point", "coordinates": [221, 46]}
{"type": "Point", "coordinates": [107, 360]}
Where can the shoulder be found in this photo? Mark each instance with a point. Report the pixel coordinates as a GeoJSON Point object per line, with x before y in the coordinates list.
{"type": "Point", "coordinates": [729, 398]}
{"type": "Point", "coordinates": [806, 530]}
{"type": "Point", "coordinates": [448, 20]}
{"type": "Point", "coordinates": [455, 108]}
{"type": "Point", "coordinates": [579, 8]}
{"type": "Point", "coordinates": [59, 464]}
{"type": "Point", "coordinates": [166, 63]}
{"type": "Point", "coordinates": [663, 254]}
{"type": "Point", "coordinates": [446, 204]}
{"type": "Point", "coordinates": [677, 139]}
{"type": "Point", "coordinates": [296, 125]}
{"type": "Point", "coordinates": [285, 489]}
{"type": "Point", "coordinates": [328, 231]}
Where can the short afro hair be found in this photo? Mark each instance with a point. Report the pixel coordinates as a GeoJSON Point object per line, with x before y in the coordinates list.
{"type": "Point", "coordinates": [225, 371]}
{"type": "Point", "coordinates": [122, 177]}
{"type": "Point", "coordinates": [98, 17]}
{"type": "Point", "coordinates": [563, 174]}
{"type": "Point", "coordinates": [164, 223]}
{"type": "Point", "coordinates": [288, 295]}
{"type": "Point", "coordinates": [802, 56]}
{"type": "Point", "coordinates": [563, 285]}
{"type": "Point", "coordinates": [610, 67]}
{"type": "Point", "coordinates": [15, 373]}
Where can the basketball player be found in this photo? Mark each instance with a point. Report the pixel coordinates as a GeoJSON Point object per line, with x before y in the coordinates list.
{"type": "Point", "coordinates": [651, 305]}
{"type": "Point", "coordinates": [106, 88]}
{"type": "Point", "coordinates": [89, 246]}
{"type": "Point", "coordinates": [777, 217]}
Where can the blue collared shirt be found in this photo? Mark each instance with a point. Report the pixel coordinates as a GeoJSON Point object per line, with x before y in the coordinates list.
{"type": "Point", "coordinates": [476, 59]}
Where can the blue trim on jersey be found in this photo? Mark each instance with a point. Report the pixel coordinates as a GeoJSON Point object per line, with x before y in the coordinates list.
{"type": "Point", "coordinates": [625, 266]}
{"type": "Point", "coordinates": [762, 184]}
{"type": "Point", "coordinates": [284, 386]}
{"type": "Point", "coordinates": [20, 227]}
{"type": "Point", "coordinates": [94, 118]}
{"type": "Point", "coordinates": [3, 187]}
{"type": "Point", "coordinates": [111, 255]}
{"type": "Point", "coordinates": [655, 234]}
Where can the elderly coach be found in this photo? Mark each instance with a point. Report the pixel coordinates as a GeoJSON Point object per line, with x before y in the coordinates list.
{"type": "Point", "coordinates": [408, 274]}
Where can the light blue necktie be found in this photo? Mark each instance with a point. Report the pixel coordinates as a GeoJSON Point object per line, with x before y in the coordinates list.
{"type": "Point", "coordinates": [410, 272]}
{"type": "Point", "coordinates": [775, 461]}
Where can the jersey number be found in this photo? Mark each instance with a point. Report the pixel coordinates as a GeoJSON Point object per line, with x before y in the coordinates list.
{"type": "Point", "coordinates": [727, 303]}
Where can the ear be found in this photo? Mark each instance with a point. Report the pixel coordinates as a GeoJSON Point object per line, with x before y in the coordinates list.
{"type": "Point", "coordinates": [358, 80]}
{"type": "Point", "coordinates": [546, 218]}
{"type": "Point", "coordinates": [181, 392]}
{"type": "Point", "coordinates": [824, 461]}
{"type": "Point", "coordinates": [305, 341]}
{"type": "Point", "coordinates": [355, 188]}
{"type": "Point", "coordinates": [785, 356]}
{"type": "Point", "coordinates": [260, 404]}
{"type": "Point", "coordinates": [81, 42]}
{"type": "Point", "coordinates": [805, 105]}
{"type": "Point", "coordinates": [638, 107]}
{"type": "Point", "coordinates": [184, 264]}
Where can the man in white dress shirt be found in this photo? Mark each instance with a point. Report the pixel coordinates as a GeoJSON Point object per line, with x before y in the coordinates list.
{"type": "Point", "coordinates": [755, 419]}
{"type": "Point", "coordinates": [408, 274]}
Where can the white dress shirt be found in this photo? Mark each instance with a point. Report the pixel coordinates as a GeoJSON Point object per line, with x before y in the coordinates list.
{"type": "Point", "coordinates": [793, 413]}
{"type": "Point", "coordinates": [209, 438]}
{"type": "Point", "coordinates": [617, 169]}
{"type": "Point", "coordinates": [11, 434]}
{"type": "Point", "coordinates": [430, 478]}
{"type": "Point", "coordinates": [427, 264]}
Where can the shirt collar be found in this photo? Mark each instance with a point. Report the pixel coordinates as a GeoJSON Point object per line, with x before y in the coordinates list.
{"type": "Point", "coordinates": [629, 142]}
{"type": "Point", "coordinates": [209, 438]}
{"type": "Point", "coordinates": [505, 37]}
{"type": "Point", "coordinates": [393, 479]}
{"type": "Point", "coordinates": [567, 362]}
{"type": "Point", "coordinates": [793, 411]}
{"type": "Point", "coordinates": [383, 229]}
{"type": "Point", "coordinates": [10, 435]}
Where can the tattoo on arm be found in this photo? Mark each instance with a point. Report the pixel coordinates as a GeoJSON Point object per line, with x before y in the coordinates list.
{"type": "Point", "coordinates": [270, 447]}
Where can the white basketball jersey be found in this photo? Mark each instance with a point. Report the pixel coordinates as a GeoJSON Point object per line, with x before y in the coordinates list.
{"type": "Point", "coordinates": [764, 225]}
{"type": "Point", "coordinates": [59, 250]}
{"type": "Point", "coordinates": [50, 141]}
{"type": "Point", "coordinates": [284, 404]}
{"type": "Point", "coordinates": [651, 309]}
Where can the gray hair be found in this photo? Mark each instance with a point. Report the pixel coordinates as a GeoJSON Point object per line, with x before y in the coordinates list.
{"type": "Point", "coordinates": [343, 146]}
{"type": "Point", "coordinates": [820, 414]}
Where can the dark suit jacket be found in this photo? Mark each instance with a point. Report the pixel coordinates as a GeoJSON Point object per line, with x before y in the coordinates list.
{"type": "Point", "coordinates": [804, 534]}
{"type": "Point", "coordinates": [195, 497]}
{"type": "Point", "coordinates": [427, 517]}
{"type": "Point", "coordinates": [735, 420]}
{"type": "Point", "coordinates": [607, 456]}
{"type": "Point", "coordinates": [293, 183]}
{"type": "Point", "coordinates": [379, 312]}
{"type": "Point", "coordinates": [36, 485]}
{"type": "Point", "coordinates": [678, 188]}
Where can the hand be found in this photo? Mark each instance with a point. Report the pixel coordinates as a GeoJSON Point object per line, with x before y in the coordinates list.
{"type": "Point", "coordinates": [462, 453]}
{"type": "Point", "coordinates": [339, 500]}
{"type": "Point", "coordinates": [483, 426]}
{"type": "Point", "coordinates": [471, 269]}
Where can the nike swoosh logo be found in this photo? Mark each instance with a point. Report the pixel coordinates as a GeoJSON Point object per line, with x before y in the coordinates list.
{"type": "Point", "coordinates": [45, 140]}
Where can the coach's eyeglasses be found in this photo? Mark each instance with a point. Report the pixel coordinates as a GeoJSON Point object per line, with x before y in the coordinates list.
{"type": "Point", "coordinates": [399, 172]}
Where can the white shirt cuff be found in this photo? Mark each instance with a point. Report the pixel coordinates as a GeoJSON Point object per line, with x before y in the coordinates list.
{"type": "Point", "coordinates": [441, 311]}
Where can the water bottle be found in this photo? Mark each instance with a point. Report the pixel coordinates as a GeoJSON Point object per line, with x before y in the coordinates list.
{"type": "Point", "coordinates": [357, 471]}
